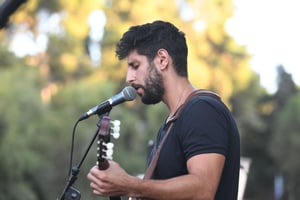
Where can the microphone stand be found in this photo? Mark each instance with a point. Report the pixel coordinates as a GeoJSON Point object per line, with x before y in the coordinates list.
{"type": "Point", "coordinates": [70, 193]}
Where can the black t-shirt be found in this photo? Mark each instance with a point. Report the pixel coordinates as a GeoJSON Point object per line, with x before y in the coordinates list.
{"type": "Point", "coordinates": [204, 125]}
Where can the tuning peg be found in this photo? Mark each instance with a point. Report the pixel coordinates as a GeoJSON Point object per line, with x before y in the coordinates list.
{"type": "Point", "coordinates": [109, 154]}
{"type": "Point", "coordinates": [109, 150]}
{"type": "Point", "coordinates": [115, 129]}
{"type": "Point", "coordinates": [116, 123]}
{"type": "Point", "coordinates": [115, 135]}
{"type": "Point", "coordinates": [109, 145]}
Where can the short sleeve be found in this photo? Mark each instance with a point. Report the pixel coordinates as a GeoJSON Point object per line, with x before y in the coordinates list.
{"type": "Point", "coordinates": [204, 127]}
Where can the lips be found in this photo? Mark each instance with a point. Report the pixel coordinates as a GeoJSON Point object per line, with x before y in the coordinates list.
{"type": "Point", "coordinates": [138, 89]}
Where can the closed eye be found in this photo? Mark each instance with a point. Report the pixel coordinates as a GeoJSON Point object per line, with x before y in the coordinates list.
{"type": "Point", "coordinates": [133, 65]}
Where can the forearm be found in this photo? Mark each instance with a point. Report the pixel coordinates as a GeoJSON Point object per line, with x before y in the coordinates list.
{"type": "Point", "coordinates": [183, 187]}
{"type": "Point", "coordinates": [200, 184]}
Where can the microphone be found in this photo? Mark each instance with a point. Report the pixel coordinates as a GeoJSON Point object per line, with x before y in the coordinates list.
{"type": "Point", "coordinates": [7, 8]}
{"type": "Point", "coordinates": [127, 94]}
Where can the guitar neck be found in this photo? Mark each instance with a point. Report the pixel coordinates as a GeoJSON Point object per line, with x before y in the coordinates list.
{"type": "Point", "coordinates": [103, 165]}
{"type": "Point", "coordinates": [104, 150]}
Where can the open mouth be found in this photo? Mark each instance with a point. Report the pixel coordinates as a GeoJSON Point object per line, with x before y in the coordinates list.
{"type": "Point", "coordinates": [138, 89]}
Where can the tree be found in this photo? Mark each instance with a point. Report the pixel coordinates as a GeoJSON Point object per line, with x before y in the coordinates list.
{"type": "Point", "coordinates": [285, 145]}
{"type": "Point", "coordinates": [69, 83]}
{"type": "Point", "coordinates": [19, 90]}
{"type": "Point", "coordinates": [259, 113]}
{"type": "Point", "coordinates": [247, 109]}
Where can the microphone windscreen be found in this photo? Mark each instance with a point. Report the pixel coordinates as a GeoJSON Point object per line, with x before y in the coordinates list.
{"type": "Point", "coordinates": [129, 93]}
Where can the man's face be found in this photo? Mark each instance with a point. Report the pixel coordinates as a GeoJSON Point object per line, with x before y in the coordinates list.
{"type": "Point", "coordinates": [145, 78]}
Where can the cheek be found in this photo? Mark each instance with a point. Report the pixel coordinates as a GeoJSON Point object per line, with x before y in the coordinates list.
{"type": "Point", "coordinates": [141, 76]}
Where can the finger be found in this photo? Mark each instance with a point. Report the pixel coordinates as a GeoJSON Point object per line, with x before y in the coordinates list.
{"type": "Point", "coordinates": [94, 174]}
{"type": "Point", "coordinates": [97, 193]}
{"type": "Point", "coordinates": [91, 177]}
{"type": "Point", "coordinates": [98, 190]}
{"type": "Point", "coordinates": [94, 170]}
{"type": "Point", "coordinates": [94, 186]}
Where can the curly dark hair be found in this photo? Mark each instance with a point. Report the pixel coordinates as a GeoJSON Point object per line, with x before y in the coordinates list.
{"type": "Point", "coordinates": [148, 38]}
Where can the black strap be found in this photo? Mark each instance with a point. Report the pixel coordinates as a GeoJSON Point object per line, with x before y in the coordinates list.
{"type": "Point", "coordinates": [194, 93]}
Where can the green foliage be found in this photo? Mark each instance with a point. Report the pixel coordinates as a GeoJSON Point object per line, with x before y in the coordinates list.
{"type": "Point", "coordinates": [260, 121]}
{"type": "Point", "coordinates": [22, 113]}
{"type": "Point", "coordinates": [285, 144]}
{"type": "Point", "coordinates": [43, 95]}
{"type": "Point", "coordinates": [7, 59]}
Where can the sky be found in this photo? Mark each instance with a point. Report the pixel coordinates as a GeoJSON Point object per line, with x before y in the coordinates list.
{"type": "Point", "coordinates": [270, 29]}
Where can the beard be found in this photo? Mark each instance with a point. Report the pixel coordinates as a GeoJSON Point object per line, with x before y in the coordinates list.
{"type": "Point", "coordinates": [153, 89]}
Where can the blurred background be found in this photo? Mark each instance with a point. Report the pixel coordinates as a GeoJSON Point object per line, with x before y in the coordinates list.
{"type": "Point", "coordinates": [57, 60]}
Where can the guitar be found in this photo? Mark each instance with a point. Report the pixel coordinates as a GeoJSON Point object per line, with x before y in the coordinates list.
{"type": "Point", "coordinates": [107, 129]}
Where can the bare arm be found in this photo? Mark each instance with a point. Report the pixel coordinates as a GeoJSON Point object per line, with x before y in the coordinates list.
{"type": "Point", "coordinates": [201, 182]}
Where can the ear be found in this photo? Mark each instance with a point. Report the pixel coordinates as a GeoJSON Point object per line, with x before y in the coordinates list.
{"type": "Point", "coordinates": [163, 59]}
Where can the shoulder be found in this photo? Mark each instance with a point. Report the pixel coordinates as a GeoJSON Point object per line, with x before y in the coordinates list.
{"type": "Point", "coordinates": [204, 117]}
{"type": "Point", "coordinates": [202, 126]}
{"type": "Point", "coordinates": [204, 105]}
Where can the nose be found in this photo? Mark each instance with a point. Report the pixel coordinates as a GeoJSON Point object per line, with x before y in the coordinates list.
{"type": "Point", "coordinates": [130, 76]}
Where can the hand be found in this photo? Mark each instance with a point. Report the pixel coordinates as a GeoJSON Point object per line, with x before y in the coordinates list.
{"type": "Point", "coordinates": [109, 182]}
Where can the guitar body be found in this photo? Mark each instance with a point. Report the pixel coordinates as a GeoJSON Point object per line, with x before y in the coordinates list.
{"type": "Point", "coordinates": [104, 149]}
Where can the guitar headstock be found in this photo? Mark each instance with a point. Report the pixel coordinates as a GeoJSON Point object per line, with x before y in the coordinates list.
{"type": "Point", "coordinates": [107, 129]}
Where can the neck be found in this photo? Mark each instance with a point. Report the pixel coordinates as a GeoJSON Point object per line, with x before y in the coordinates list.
{"type": "Point", "coordinates": [177, 97]}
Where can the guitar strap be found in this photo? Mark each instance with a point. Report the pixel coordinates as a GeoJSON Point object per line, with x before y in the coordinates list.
{"type": "Point", "coordinates": [152, 165]}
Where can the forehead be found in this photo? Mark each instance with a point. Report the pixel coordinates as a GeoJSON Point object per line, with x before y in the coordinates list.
{"type": "Point", "coordinates": [134, 57]}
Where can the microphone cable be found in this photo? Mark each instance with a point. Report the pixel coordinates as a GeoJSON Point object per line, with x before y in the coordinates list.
{"type": "Point", "coordinates": [72, 147]}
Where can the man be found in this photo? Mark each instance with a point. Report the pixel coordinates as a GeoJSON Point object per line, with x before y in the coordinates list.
{"type": "Point", "coordinates": [200, 158]}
